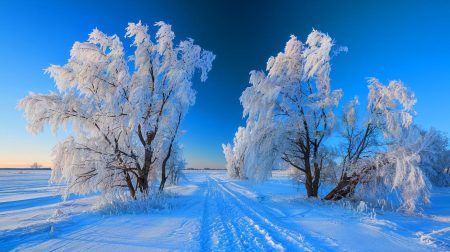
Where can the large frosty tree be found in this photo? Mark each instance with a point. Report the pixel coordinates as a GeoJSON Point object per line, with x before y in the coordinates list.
{"type": "Point", "coordinates": [289, 112]}
{"type": "Point", "coordinates": [124, 121]}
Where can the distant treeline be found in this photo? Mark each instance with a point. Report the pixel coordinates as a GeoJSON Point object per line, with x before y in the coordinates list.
{"type": "Point", "coordinates": [218, 169]}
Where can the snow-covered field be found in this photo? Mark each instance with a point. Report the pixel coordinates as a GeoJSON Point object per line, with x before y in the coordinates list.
{"type": "Point", "coordinates": [210, 212]}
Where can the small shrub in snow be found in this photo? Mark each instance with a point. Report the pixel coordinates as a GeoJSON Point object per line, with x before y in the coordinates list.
{"type": "Point", "coordinates": [117, 204]}
{"type": "Point", "coordinates": [362, 207]}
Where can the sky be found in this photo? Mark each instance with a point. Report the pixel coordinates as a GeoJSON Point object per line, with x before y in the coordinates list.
{"type": "Point", "coordinates": [390, 40]}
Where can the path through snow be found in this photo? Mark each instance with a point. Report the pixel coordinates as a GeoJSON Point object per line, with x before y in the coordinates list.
{"type": "Point", "coordinates": [210, 213]}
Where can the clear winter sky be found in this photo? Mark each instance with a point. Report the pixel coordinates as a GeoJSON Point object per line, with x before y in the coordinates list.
{"type": "Point", "coordinates": [407, 40]}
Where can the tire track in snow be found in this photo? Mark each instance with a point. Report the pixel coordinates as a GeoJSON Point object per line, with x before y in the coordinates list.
{"type": "Point", "coordinates": [223, 228]}
{"type": "Point", "coordinates": [265, 221]}
{"type": "Point", "coordinates": [262, 225]}
{"type": "Point", "coordinates": [232, 222]}
{"type": "Point", "coordinates": [322, 243]}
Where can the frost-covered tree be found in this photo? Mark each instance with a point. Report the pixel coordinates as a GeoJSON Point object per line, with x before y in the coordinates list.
{"type": "Point", "coordinates": [176, 164]}
{"type": "Point", "coordinates": [289, 110]}
{"type": "Point", "coordinates": [382, 153]}
{"type": "Point", "coordinates": [394, 177]}
{"type": "Point", "coordinates": [232, 170]}
{"type": "Point", "coordinates": [435, 159]}
{"type": "Point", "coordinates": [235, 155]}
{"type": "Point", "coordinates": [123, 121]}
{"type": "Point", "coordinates": [305, 107]}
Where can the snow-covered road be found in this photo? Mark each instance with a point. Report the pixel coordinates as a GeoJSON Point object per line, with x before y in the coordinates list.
{"type": "Point", "coordinates": [209, 213]}
{"type": "Point", "coordinates": [231, 221]}
{"type": "Point", "coordinates": [238, 219]}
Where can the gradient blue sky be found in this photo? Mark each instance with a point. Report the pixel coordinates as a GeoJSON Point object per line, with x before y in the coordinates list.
{"type": "Point", "coordinates": [407, 40]}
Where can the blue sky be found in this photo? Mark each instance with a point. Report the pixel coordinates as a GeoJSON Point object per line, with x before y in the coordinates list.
{"type": "Point", "coordinates": [406, 40]}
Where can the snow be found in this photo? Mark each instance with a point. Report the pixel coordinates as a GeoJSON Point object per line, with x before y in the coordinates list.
{"type": "Point", "coordinates": [207, 211]}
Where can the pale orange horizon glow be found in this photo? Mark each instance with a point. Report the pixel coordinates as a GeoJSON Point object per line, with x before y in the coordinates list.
{"type": "Point", "coordinates": [23, 163]}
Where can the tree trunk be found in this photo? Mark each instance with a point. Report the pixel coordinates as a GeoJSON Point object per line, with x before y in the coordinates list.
{"type": "Point", "coordinates": [163, 168]}
{"type": "Point", "coordinates": [236, 172]}
{"type": "Point", "coordinates": [316, 181]}
{"type": "Point", "coordinates": [345, 187]}
{"type": "Point", "coordinates": [309, 185]}
{"type": "Point", "coordinates": [130, 185]}
{"type": "Point", "coordinates": [142, 180]}
{"type": "Point", "coordinates": [162, 183]}
{"type": "Point", "coordinates": [347, 184]}
{"type": "Point", "coordinates": [169, 152]}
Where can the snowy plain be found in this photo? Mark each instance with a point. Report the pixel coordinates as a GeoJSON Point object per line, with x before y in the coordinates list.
{"type": "Point", "coordinates": [209, 212]}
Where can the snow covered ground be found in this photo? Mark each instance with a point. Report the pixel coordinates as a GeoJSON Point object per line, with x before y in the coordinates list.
{"type": "Point", "coordinates": [210, 212]}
